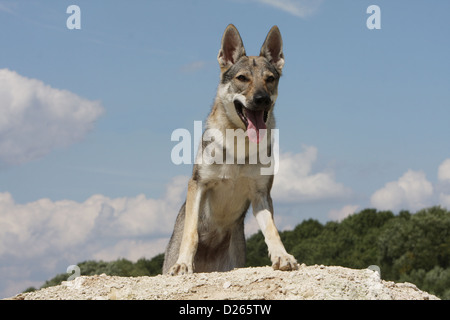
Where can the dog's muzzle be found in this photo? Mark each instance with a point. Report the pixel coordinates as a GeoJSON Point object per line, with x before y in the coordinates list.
{"type": "Point", "coordinates": [255, 115]}
{"type": "Point", "coordinates": [244, 113]}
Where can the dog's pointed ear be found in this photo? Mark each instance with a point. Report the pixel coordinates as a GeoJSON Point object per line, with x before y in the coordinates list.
{"type": "Point", "coordinates": [272, 48]}
{"type": "Point", "coordinates": [232, 48]}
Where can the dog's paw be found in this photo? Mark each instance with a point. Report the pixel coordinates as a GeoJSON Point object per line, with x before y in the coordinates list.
{"type": "Point", "coordinates": [284, 262]}
{"type": "Point", "coordinates": [180, 269]}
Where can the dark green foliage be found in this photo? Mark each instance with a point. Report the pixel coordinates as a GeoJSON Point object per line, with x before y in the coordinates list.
{"type": "Point", "coordinates": [435, 281]}
{"type": "Point", "coordinates": [421, 241]}
{"type": "Point", "coordinates": [350, 243]}
{"type": "Point", "coordinates": [407, 247]}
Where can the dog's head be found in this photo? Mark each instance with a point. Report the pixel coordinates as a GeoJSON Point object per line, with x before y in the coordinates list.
{"type": "Point", "coordinates": [249, 84]}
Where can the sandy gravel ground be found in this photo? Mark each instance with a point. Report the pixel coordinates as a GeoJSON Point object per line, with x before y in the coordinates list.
{"type": "Point", "coordinates": [309, 282]}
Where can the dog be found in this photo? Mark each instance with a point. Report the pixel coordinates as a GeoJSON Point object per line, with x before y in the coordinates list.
{"type": "Point", "coordinates": [209, 230]}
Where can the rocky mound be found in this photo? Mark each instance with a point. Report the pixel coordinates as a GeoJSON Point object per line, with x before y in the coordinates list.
{"type": "Point", "coordinates": [309, 282]}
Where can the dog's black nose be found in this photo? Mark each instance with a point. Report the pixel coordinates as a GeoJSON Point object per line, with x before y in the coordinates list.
{"type": "Point", "coordinates": [261, 99]}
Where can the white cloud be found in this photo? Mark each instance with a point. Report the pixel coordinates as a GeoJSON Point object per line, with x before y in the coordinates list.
{"type": "Point", "coordinates": [36, 118]}
{"type": "Point", "coordinates": [342, 213]}
{"type": "Point", "coordinates": [295, 181]}
{"type": "Point", "coordinates": [299, 8]}
{"type": "Point", "coordinates": [44, 234]}
{"type": "Point", "coordinates": [444, 171]}
{"type": "Point", "coordinates": [40, 227]}
{"type": "Point", "coordinates": [411, 191]}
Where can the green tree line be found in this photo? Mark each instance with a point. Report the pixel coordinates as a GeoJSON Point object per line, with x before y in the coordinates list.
{"type": "Point", "coordinates": [407, 247]}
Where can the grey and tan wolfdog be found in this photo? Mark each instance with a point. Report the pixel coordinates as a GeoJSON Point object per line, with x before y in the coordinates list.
{"type": "Point", "coordinates": [209, 230]}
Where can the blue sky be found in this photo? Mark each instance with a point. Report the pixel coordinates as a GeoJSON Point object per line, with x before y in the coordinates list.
{"type": "Point", "coordinates": [86, 118]}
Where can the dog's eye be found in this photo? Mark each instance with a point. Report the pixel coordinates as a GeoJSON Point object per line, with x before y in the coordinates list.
{"type": "Point", "coordinates": [242, 78]}
{"type": "Point", "coordinates": [270, 79]}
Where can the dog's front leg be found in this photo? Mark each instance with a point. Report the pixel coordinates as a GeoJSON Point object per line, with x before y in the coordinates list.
{"type": "Point", "coordinates": [189, 241]}
{"type": "Point", "coordinates": [263, 211]}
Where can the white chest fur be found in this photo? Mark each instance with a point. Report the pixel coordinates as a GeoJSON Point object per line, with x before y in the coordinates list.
{"type": "Point", "coordinates": [229, 189]}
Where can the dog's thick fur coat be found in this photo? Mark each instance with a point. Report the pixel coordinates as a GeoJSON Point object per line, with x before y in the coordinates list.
{"type": "Point", "coordinates": [209, 230]}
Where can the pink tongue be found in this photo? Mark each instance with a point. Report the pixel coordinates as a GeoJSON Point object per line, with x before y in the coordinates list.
{"type": "Point", "coordinates": [255, 123]}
